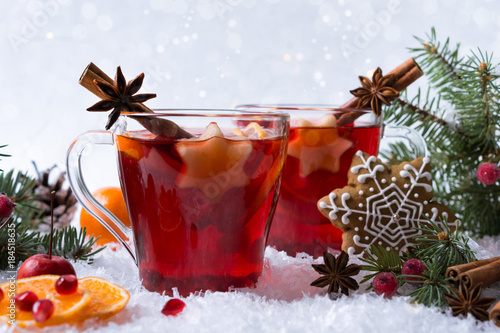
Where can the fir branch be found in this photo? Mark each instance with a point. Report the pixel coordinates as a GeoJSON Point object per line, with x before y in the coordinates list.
{"type": "Point", "coordinates": [433, 287]}
{"type": "Point", "coordinates": [379, 260]}
{"type": "Point", "coordinates": [442, 246]}
{"type": "Point", "coordinates": [481, 211]}
{"type": "Point", "coordinates": [17, 186]}
{"type": "Point", "coordinates": [476, 101]}
{"type": "Point", "coordinates": [26, 244]}
{"type": "Point", "coordinates": [422, 113]}
{"type": "Point", "coordinates": [441, 61]}
{"type": "Point", "coordinates": [72, 244]}
{"type": "Point", "coordinates": [468, 90]}
{"type": "Point", "coordinates": [398, 153]}
{"type": "Point", "coordinates": [3, 155]}
{"type": "Point", "coordinates": [68, 243]}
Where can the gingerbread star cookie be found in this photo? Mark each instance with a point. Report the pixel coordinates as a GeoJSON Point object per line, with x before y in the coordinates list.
{"type": "Point", "coordinates": [382, 206]}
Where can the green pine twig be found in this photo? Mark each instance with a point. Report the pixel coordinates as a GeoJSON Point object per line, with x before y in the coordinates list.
{"type": "Point", "coordinates": [378, 260]}
{"type": "Point", "coordinates": [440, 60]}
{"type": "Point", "coordinates": [71, 243]}
{"type": "Point", "coordinates": [3, 155]}
{"type": "Point", "coordinates": [442, 246]}
{"type": "Point", "coordinates": [458, 116]}
{"type": "Point", "coordinates": [433, 287]}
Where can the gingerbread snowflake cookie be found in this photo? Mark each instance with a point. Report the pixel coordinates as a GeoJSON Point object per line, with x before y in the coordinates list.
{"type": "Point", "coordinates": [382, 206]}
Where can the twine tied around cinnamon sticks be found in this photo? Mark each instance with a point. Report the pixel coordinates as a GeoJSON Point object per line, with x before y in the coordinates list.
{"type": "Point", "coordinates": [485, 272]}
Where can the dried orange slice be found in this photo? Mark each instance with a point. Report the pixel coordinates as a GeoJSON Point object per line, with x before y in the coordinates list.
{"type": "Point", "coordinates": [107, 297]}
{"type": "Point", "coordinates": [67, 308]}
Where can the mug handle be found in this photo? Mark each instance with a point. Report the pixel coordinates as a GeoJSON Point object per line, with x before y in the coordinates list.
{"type": "Point", "coordinates": [81, 191]}
{"type": "Point", "coordinates": [408, 134]}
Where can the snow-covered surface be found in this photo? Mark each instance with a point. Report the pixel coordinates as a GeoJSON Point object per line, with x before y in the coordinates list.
{"type": "Point", "coordinates": [219, 53]}
{"type": "Point", "coordinates": [283, 301]}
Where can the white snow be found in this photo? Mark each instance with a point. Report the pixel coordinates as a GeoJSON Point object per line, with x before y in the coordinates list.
{"type": "Point", "coordinates": [283, 301]}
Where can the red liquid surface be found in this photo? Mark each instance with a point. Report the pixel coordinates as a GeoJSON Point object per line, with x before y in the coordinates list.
{"type": "Point", "coordinates": [184, 236]}
{"type": "Point", "coordinates": [298, 226]}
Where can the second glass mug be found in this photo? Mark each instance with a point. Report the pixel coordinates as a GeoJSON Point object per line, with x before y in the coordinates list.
{"type": "Point", "coordinates": [200, 208]}
{"type": "Point", "coordinates": [323, 140]}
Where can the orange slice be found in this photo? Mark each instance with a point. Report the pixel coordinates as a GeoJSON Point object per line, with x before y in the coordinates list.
{"type": "Point", "coordinates": [238, 132]}
{"type": "Point", "coordinates": [107, 297]}
{"type": "Point", "coordinates": [255, 130]}
{"type": "Point", "coordinates": [67, 308]}
{"type": "Point", "coordinates": [129, 146]}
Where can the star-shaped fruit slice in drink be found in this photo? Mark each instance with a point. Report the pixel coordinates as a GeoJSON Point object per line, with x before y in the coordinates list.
{"type": "Point", "coordinates": [212, 163]}
{"type": "Point", "coordinates": [318, 145]}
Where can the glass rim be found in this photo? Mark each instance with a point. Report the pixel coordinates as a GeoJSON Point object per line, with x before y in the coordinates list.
{"type": "Point", "coordinates": [301, 107]}
{"type": "Point", "coordinates": [222, 113]}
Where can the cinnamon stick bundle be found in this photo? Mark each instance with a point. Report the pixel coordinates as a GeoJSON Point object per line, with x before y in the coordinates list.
{"type": "Point", "coordinates": [404, 75]}
{"type": "Point", "coordinates": [486, 272]}
{"type": "Point", "coordinates": [158, 126]}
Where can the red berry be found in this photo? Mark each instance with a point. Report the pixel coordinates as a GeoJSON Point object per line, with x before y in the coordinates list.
{"type": "Point", "coordinates": [1, 295]}
{"type": "Point", "coordinates": [173, 307]}
{"type": "Point", "coordinates": [385, 283]}
{"type": "Point", "coordinates": [488, 173]}
{"type": "Point", "coordinates": [413, 267]}
{"type": "Point", "coordinates": [6, 206]}
{"type": "Point", "coordinates": [42, 310]}
{"type": "Point", "coordinates": [41, 264]}
{"type": "Point", "coordinates": [67, 284]}
{"type": "Point", "coordinates": [25, 300]}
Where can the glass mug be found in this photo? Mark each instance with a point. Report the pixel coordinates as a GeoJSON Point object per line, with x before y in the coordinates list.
{"type": "Point", "coordinates": [200, 209]}
{"type": "Point", "coordinates": [322, 143]}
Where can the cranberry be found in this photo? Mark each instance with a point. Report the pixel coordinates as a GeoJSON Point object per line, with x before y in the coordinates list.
{"type": "Point", "coordinates": [385, 283]}
{"type": "Point", "coordinates": [173, 307]}
{"type": "Point", "coordinates": [1, 295]}
{"type": "Point", "coordinates": [413, 267]}
{"type": "Point", "coordinates": [67, 284]}
{"type": "Point", "coordinates": [42, 310]}
{"type": "Point", "coordinates": [25, 300]}
{"type": "Point", "coordinates": [488, 173]}
{"type": "Point", "coordinates": [6, 206]}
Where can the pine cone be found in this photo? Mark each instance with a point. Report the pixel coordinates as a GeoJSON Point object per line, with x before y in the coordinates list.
{"type": "Point", "coordinates": [64, 200]}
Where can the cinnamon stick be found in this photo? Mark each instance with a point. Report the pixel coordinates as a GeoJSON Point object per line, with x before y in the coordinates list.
{"type": "Point", "coordinates": [495, 314]}
{"type": "Point", "coordinates": [404, 75]}
{"type": "Point", "coordinates": [91, 73]}
{"type": "Point", "coordinates": [486, 275]}
{"type": "Point", "coordinates": [158, 126]}
{"type": "Point", "coordinates": [455, 271]}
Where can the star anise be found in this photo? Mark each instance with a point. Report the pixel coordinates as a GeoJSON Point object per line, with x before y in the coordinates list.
{"type": "Point", "coordinates": [336, 274]}
{"type": "Point", "coordinates": [375, 92]}
{"type": "Point", "coordinates": [469, 301]}
{"type": "Point", "coordinates": [120, 96]}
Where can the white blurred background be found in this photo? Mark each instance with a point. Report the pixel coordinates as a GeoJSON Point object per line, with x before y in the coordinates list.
{"type": "Point", "coordinates": [203, 54]}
